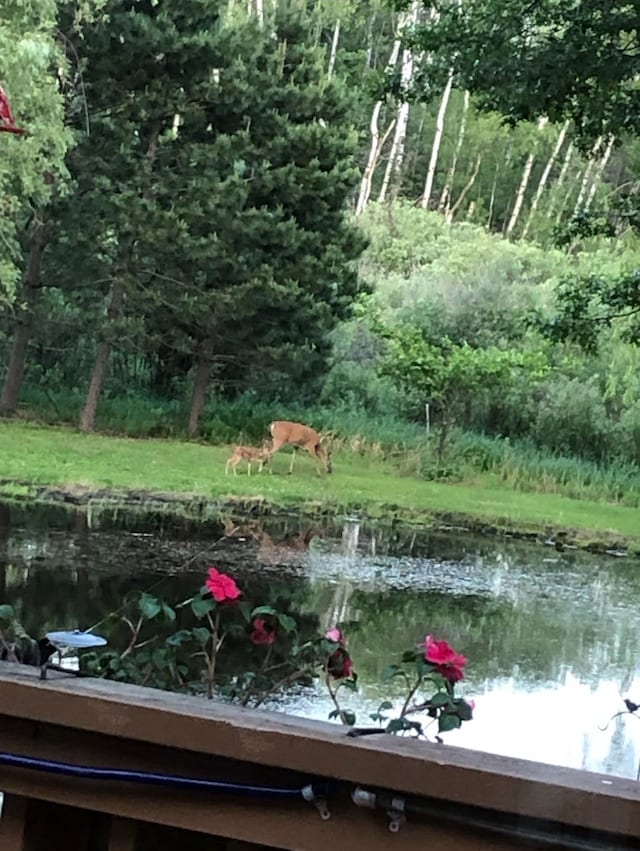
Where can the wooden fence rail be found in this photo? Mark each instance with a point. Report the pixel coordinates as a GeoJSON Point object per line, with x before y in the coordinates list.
{"type": "Point", "coordinates": [381, 793]}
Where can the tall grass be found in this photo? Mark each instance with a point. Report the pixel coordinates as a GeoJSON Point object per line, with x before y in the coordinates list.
{"type": "Point", "coordinates": [224, 421]}
{"type": "Point", "coordinates": [523, 467]}
{"type": "Point", "coordinates": [467, 458]}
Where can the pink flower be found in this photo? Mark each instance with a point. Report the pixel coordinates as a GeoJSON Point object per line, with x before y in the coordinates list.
{"type": "Point", "coordinates": [334, 634]}
{"type": "Point", "coordinates": [339, 664]}
{"type": "Point", "coordinates": [222, 587]}
{"type": "Point", "coordinates": [448, 663]}
{"type": "Point", "coordinates": [261, 634]}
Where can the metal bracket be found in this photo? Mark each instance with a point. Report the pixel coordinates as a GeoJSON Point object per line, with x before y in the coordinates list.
{"type": "Point", "coordinates": [319, 802]}
{"type": "Point", "coordinates": [397, 815]}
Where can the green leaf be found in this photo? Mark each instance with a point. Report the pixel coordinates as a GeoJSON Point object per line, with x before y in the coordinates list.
{"type": "Point", "coordinates": [350, 684]}
{"type": "Point", "coordinates": [149, 605]}
{"type": "Point", "coordinates": [447, 722]}
{"type": "Point", "coordinates": [348, 717]}
{"type": "Point", "coordinates": [168, 612]}
{"type": "Point", "coordinates": [264, 610]}
{"type": "Point", "coordinates": [390, 672]}
{"type": "Point", "coordinates": [179, 638]}
{"type": "Point", "coordinates": [245, 610]}
{"type": "Point", "coordinates": [401, 725]}
{"type": "Point", "coordinates": [287, 623]}
{"type": "Point", "coordinates": [465, 712]}
{"type": "Point", "coordinates": [335, 713]}
{"type": "Point", "coordinates": [201, 635]}
{"type": "Point", "coordinates": [201, 607]}
{"type": "Point", "coordinates": [386, 704]}
{"type": "Point", "coordinates": [440, 699]}
{"type": "Point", "coordinates": [6, 612]}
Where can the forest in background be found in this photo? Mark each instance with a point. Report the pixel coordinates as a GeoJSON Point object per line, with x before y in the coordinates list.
{"type": "Point", "coordinates": [332, 211]}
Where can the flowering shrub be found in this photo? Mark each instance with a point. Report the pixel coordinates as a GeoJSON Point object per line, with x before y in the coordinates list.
{"type": "Point", "coordinates": [274, 655]}
{"type": "Point", "coordinates": [432, 667]}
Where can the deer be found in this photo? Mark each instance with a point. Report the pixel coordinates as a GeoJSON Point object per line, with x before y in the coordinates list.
{"type": "Point", "coordinates": [285, 433]}
{"type": "Point", "coordinates": [250, 454]}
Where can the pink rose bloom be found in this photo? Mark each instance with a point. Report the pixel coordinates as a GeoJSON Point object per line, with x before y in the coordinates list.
{"type": "Point", "coordinates": [448, 662]}
{"type": "Point", "coordinates": [222, 587]}
{"type": "Point", "coordinates": [334, 634]}
{"type": "Point", "coordinates": [261, 635]}
{"type": "Point", "coordinates": [339, 665]}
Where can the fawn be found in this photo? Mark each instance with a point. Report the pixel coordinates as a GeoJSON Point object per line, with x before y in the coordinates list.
{"type": "Point", "coordinates": [250, 454]}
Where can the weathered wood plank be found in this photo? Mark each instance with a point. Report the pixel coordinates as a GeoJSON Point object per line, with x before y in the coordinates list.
{"type": "Point", "coordinates": [127, 714]}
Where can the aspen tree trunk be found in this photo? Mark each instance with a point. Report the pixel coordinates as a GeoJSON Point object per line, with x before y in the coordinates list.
{"type": "Point", "coordinates": [560, 182]}
{"type": "Point", "coordinates": [334, 49]}
{"type": "Point", "coordinates": [522, 189]}
{"type": "Point", "coordinates": [544, 178]}
{"type": "Point", "coordinates": [597, 177]}
{"type": "Point", "coordinates": [256, 8]}
{"type": "Point", "coordinates": [587, 175]}
{"type": "Point", "coordinates": [435, 148]}
{"type": "Point", "coordinates": [445, 197]}
{"type": "Point", "coordinates": [396, 154]}
{"type": "Point", "coordinates": [376, 144]}
{"type": "Point", "coordinates": [466, 190]}
{"type": "Point", "coordinates": [492, 200]}
{"type": "Point", "coordinates": [24, 321]}
{"type": "Point", "coordinates": [565, 165]}
{"type": "Point", "coordinates": [368, 62]}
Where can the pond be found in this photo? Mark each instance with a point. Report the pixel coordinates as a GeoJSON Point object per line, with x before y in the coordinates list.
{"type": "Point", "coordinates": [551, 637]}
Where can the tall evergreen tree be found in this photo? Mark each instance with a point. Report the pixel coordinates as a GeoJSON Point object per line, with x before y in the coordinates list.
{"type": "Point", "coordinates": [213, 190]}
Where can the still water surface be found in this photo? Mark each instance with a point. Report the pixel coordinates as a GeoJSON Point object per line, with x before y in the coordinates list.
{"type": "Point", "coordinates": [551, 637]}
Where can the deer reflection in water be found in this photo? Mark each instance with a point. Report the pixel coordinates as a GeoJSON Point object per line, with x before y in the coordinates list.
{"type": "Point", "coordinates": [269, 550]}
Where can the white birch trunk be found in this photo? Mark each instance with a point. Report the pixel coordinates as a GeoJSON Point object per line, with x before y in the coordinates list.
{"type": "Point", "coordinates": [334, 49]}
{"type": "Point", "coordinates": [376, 144]}
{"type": "Point", "coordinates": [492, 200]}
{"type": "Point", "coordinates": [466, 190]}
{"type": "Point", "coordinates": [565, 165]}
{"type": "Point", "coordinates": [559, 184]}
{"type": "Point", "coordinates": [522, 189]}
{"type": "Point", "coordinates": [445, 197]}
{"type": "Point", "coordinates": [396, 154]}
{"type": "Point", "coordinates": [435, 148]}
{"type": "Point", "coordinates": [369, 55]}
{"type": "Point", "coordinates": [545, 177]}
{"type": "Point", "coordinates": [256, 7]}
{"type": "Point", "coordinates": [597, 177]}
{"type": "Point", "coordinates": [375, 150]}
{"type": "Point", "coordinates": [587, 175]}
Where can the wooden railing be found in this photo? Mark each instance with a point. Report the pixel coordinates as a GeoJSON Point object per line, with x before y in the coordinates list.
{"type": "Point", "coordinates": [380, 792]}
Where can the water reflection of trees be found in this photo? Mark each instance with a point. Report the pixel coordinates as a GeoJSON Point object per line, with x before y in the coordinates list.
{"type": "Point", "coordinates": [534, 615]}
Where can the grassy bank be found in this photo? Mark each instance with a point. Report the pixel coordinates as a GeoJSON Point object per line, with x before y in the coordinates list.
{"type": "Point", "coordinates": [66, 458]}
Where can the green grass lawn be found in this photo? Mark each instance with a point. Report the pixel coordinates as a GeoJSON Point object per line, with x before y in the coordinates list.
{"type": "Point", "coordinates": [59, 456]}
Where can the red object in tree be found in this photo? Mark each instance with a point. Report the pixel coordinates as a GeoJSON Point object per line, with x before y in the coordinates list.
{"type": "Point", "coordinates": [7, 124]}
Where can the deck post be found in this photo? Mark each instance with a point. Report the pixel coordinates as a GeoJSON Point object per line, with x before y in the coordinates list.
{"type": "Point", "coordinates": [123, 834]}
{"type": "Point", "coordinates": [13, 823]}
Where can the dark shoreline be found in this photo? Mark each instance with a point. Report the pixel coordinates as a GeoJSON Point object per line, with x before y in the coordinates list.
{"type": "Point", "coordinates": [158, 509]}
